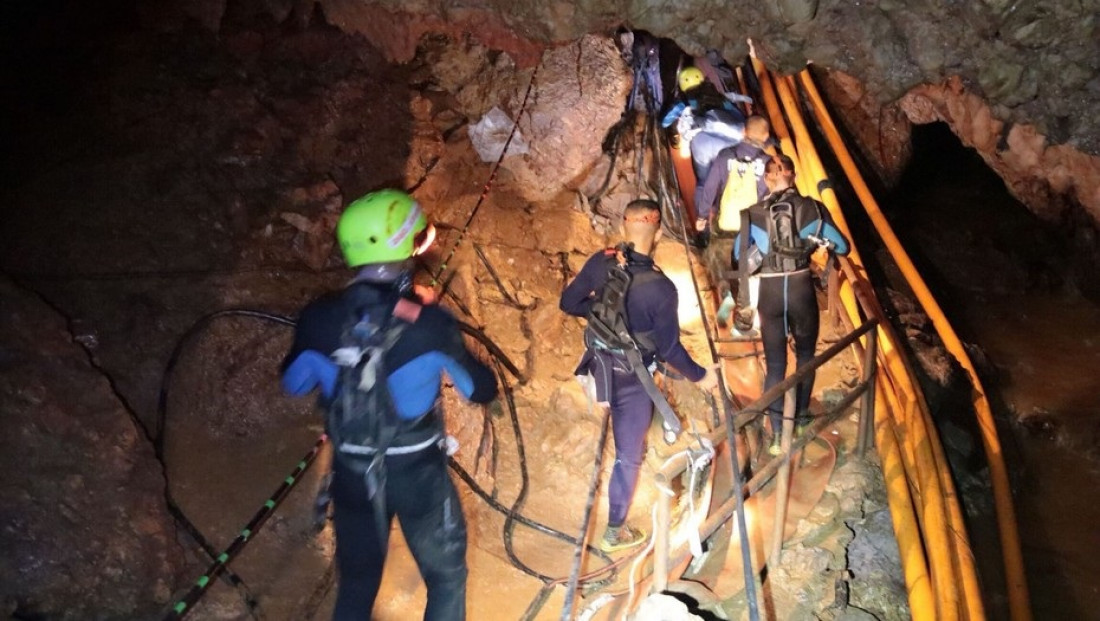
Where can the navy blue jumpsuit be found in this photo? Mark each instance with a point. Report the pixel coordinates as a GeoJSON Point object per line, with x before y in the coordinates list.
{"type": "Point", "coordinates": [651, 307]}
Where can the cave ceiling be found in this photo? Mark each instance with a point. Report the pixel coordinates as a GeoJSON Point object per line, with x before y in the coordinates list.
{"type": "Point", "coordinates": [1034, 62]}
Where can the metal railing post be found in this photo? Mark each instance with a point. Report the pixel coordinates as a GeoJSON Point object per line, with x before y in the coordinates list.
{"type": "Point", "coordinates": [783, 478]}
{"type": "Point", "coordinates": [661, 538]}
{"type": "Point", "coordinates": [833, 286]}
{"type": "Point", "coordinates": [865, 434]}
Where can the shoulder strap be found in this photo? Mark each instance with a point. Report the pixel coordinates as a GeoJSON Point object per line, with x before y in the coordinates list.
{"type": "Point", "coordinates": [743, 264]}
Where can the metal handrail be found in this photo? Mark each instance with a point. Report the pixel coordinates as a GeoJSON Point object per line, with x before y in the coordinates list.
{"type": "Point", "coordinates": [678, 464]}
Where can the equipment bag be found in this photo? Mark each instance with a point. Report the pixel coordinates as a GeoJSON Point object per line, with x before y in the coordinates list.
{"type": "Point", "coordinates": [362, 412]}
{"type": "Point", "coordinates": [362, 420]}
{"type": "Point", "coordinates": [787, 250]}
{"type": "Point", "coordinates": [608, 329]}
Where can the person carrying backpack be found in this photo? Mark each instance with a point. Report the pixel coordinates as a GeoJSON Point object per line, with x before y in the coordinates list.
{"type": "Point", "coordinates": [621, 355]}
{"type": "Point", "coordinates": [785, 228]}
{"type": "Point", "coordinates": [706, 119]}
{"type": "Point", "coordinates": [376, 354]}
{"type": "Point", "coordinates": [735, 182]}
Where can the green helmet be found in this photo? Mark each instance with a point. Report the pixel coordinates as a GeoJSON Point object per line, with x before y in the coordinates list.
{"type": "Point", "coordinates": [382, 227]}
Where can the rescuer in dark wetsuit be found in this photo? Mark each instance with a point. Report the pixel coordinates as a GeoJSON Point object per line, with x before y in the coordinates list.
{"type": "Point", "coordinates": [402, 471]}
{"type": "Point", "coordinates": [788, 301]}
{"type": "Point", "coordinates": [651, 310]}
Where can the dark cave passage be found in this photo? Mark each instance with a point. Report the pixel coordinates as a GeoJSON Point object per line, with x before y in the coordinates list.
{"type": "Point", "coordinates": [1007, 282]}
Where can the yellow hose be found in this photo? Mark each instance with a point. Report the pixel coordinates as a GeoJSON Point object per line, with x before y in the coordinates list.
{"type": "Point", "coordinates": [914, 566]}
{"type": "Point", "coordinates": [1006, 518]}
{"type": "Point", "coordinates": [952, 560]}
{"type": "Point", "coordinates": [774, 113]}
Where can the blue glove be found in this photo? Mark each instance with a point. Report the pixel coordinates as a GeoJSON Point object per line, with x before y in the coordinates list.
{"type": "Point", "coordinates": [310, 370]}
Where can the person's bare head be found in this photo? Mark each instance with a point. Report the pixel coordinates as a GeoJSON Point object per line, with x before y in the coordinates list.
{"type": "Point", "coordinates": [642, 224]}
{"type": "Point", "coordinates": [779, 173]}
{"type": "Point", "coordinates": [757, 130]}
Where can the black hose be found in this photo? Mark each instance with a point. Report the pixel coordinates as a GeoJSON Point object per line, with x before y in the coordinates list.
{"type": "Point", "coordinates": [578, 554]}
{"type": "Point", "coordinates": [495, 351]}
{"type": "Point", "coordinates": [512, 514]}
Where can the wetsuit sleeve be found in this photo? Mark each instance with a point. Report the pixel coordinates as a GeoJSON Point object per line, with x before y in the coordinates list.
{"type": "Point", "coordinates": [471, 377]}
{"type": "Point", "coordinates": [666, 331]}
{"type": "Point", "coordinates": [307, 364]}
{"type": "Point", "coordinates": [714, 184]}
{"type": "Point", "coordinates": [673, 114]}
{"type": "Point", "coordinates": [578, 296]}
{"type": "Point", "coordinates": [828, 229]}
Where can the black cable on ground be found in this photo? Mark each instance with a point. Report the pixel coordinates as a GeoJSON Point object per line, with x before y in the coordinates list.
{"type": "Point", "coordinates": [512, 515]}
{"type": "Point", "coordinates": [221, 562]}
{"type": "Point", "coordinates": [494, 350]}
{"type": "Point", "coordinates": [159, 432]}
{"type": "Point", "coordinates": [578, 553]}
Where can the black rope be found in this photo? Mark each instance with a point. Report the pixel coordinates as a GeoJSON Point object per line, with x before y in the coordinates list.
{"type": "Point", "coordinates": [488, 184]}
{"type": "Point", "coordinates": [578, 553]}
{"type": "Point", "coordinates": [221, 562]}
{"type": "Point", "coordinates": [160, 431]}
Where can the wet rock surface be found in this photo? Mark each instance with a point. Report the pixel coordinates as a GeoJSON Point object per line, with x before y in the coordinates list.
{"type": "Point", "coordinates": [83, 521]}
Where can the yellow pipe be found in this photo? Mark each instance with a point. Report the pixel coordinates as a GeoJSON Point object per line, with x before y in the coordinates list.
{"type": "Point", "coordinates": [774, 113]}
{"type": "Point", "coordinates": [903, 513]}
{"type": "Point", "coordinates": [914, 565]}
{"type": "Point", "coordinates": [1019, 606]}
{"type": "Point", "coordinates": [929, 474]}
{"type": "Point", "coordinates": [952, 530]}
{"type": "Point", "coordinates": [974, 606]}
{"type": "Point", "coordinates": [933, 514]}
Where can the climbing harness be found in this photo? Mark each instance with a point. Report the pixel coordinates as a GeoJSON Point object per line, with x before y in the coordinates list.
{"type": "Point", "coordinates": [609, 331]}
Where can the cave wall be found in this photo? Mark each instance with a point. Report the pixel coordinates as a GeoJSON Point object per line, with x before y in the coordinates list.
{"type": "Point", "coordinates": [85, 528]}
{"type": "Point", "coordinates": [1037, 62]}
{"type": "Point", "coordinates": [1017, 81]}
{"type": "Point", "coordinates": [1059, 183]}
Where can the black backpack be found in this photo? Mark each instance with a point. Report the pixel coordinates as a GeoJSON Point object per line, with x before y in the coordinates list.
{"type": "Point", "coordinates": [361, 420]}
{"type": "Point", "coordinates": [608, 327]}
{"type": "Point", "coordinates": [788, 251]}
{"type": "Point", "coordinates": [362, 412]}
{"type": "Point", "coordinates": [609, 330]}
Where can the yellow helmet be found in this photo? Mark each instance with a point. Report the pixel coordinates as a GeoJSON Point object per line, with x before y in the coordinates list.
{"type": "Point", "coordinates": [689, 78]}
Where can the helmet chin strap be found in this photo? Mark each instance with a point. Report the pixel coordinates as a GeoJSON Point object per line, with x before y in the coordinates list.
{"type": "Point", "coordinates": [395, 273]}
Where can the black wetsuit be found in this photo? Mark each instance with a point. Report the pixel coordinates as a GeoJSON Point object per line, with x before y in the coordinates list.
{"type": "Point", "coordinates": [418, 488]}
{"type": "Point", "coordinates": [788, 301]}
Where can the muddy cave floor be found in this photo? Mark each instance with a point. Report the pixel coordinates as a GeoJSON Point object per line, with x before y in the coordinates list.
{"type": "Point", "coordinates": [215, 170]}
